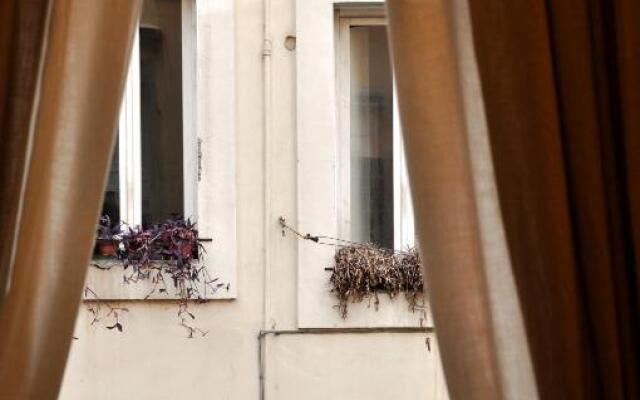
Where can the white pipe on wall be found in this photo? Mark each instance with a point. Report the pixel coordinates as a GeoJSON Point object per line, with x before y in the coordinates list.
{"type": "Point", "coordinates": [266, 118]}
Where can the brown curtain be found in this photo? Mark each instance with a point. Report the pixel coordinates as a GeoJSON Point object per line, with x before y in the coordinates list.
{"type": "Point", "coordinates": [62, 70]}
{"type": "Point", "coordinates": [561, 86]}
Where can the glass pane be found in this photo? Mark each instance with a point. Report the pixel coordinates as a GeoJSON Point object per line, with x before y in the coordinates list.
{"type": "Point", "coordinates": [371, 136]}
{"type": "Point", "coordinates": [111, 202]}
{"type": "Point", "coordinates": [161, 107]}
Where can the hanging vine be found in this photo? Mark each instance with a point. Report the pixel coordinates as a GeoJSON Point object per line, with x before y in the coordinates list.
{"type": "Point", "coordinates": [170, 251]}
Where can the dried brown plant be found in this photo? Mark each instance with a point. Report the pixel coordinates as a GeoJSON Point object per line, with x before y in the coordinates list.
{"type": "Point", "coordinates": [362, 271]}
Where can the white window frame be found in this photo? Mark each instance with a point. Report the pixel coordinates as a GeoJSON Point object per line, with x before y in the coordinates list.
{"type": "Point", "coordinates": [129, 127]}
{"type": "Point", "coordinates": [403, 232]}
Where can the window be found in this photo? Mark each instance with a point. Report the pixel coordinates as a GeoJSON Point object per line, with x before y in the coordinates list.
{"type": "Point", "coordinates": [352, 181]}
{"type": "Point", "coordinates": [374, 194]}
{"type": "Point", "coordinates": [147, 181]}
{"type": "Point", "coordinates": [176, 148]}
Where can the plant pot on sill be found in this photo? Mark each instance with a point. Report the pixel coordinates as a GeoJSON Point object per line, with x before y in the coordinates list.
{"type": "Point", "coordinates": [106, 247]}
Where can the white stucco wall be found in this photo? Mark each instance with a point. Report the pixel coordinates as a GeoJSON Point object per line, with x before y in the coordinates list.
{"type": "Point", "coordinates": [152, 359]}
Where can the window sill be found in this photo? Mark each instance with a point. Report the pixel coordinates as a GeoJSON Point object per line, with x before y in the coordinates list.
{"type": "Point", "coordinates": [106, 278]}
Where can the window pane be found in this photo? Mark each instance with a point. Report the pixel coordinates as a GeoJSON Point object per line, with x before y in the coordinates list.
{"type": "Point", "coordinates": [111, 202]}
{"type": "Point", "coordinates": [161, 108]}
{"type": "Point", "coordinates": [371, 136]}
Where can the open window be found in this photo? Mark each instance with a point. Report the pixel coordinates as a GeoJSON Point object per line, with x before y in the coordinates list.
{"type": "Point", "coordinates": [352, 180]}
{"type": "Point", "coordinates": [148, 181]}
{"type": "Point", "coordinates": [175, 153]}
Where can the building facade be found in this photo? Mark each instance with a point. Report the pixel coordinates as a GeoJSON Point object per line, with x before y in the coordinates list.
{"type": "Point", "coordinates": [237, 114]}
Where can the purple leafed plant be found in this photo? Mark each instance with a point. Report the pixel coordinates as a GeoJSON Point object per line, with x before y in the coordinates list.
{"type": "Point", "coordinates": [171, 248]}
{"type": "Point", "coordinates": [168, 250]}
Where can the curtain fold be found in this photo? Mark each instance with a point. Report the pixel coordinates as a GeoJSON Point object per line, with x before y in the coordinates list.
{"type": "Point", "coordinates": [22, 26]}
{"type": "Point", "coordinates": [61, 89]}
{"type": "Point", "coordinates": [430, 100]}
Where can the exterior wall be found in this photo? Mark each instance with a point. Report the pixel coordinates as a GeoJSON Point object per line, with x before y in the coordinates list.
{"type": "Point", "coordinates": [152, 359]}
{"type": "Point", "coordinates": [348, 367]}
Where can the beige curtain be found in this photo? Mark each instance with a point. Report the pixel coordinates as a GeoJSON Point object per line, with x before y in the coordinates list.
{"type": "Point", "coordinates": [62, 69]}
{"type": "Point", "coordinates": [436, 143]}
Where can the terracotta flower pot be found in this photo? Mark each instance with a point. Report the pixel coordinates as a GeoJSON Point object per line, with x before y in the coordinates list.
{"type": "Point", "coordinates": [106, 247]}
